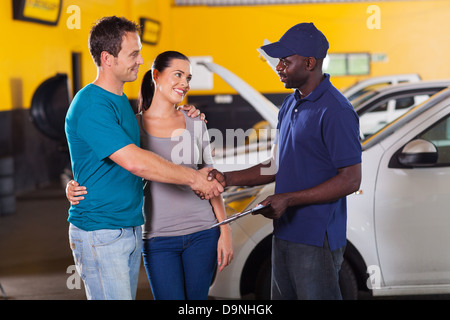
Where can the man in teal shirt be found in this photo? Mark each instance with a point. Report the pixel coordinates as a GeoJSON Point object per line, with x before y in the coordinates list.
{"type": "Point", "coordinates": [103, 137]}
{"type": "Point", "coordinates": [94, 134]}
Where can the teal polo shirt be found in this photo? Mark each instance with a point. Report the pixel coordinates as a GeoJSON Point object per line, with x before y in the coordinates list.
{"type": "Point", "coordinates": [98, 123]}
{"type": "Point", "coordinates": [317, 135]}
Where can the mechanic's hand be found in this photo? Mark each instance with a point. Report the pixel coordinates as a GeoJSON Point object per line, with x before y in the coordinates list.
{"type": "Point", "coordinates": [277, 205]}
{"type": "Point", "coordinates": [206, 188]}
{"type": "Point", "coordinates": [193, 112]}
{"type": "Point", "coordinates": [219, 176]}
{"type": "Point", "coordinates": [213, 175]}
{"type": "Point", "coordinates": [75, 192]}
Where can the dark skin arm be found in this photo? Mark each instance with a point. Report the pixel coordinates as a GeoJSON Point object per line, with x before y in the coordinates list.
{"type": "Point", "coordinates": [248, 177]}
{"type": "Point", "coordinates": [254, 176]}
{"type": "Point", "coordinates": [344, 183]}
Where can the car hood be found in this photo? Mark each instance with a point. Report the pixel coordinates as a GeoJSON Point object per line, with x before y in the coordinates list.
{"type": "Point", "coordinates": [261, 104]}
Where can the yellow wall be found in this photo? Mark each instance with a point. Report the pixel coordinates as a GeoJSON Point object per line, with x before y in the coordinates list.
{"type": "Point", "coordinates": [33, 52]}
{"type": "Point", "coordinates": [415, 35]}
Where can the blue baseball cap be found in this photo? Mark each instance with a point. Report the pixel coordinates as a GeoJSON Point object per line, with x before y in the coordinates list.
{"type": "Point", "coordinates": [303, 39]}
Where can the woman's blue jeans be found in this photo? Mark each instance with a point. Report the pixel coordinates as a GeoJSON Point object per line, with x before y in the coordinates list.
{"type": "Point", "coordinates": [304, 272]}
{"type": "Point", "coordinates": [181, 267]}
{"type": "Point", "coordinates": [108, 261]}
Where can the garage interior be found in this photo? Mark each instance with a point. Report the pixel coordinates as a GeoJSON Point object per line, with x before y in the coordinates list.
{"type": "Point", "coordinates": [45, 61]}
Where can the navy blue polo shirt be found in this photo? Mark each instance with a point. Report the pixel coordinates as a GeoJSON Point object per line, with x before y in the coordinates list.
{"type": "Point", "coordinates": [317, 135]}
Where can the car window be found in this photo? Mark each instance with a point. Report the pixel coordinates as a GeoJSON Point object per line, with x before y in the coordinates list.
{"type": "Point", "coordinates": [386, 112]}
{"type": "Point", "coordinates": [404, 103]}
{"type": "Point", "coordinates": [439, 135]}
{"type": "Point", "coordinates": [356, 102]}
{"type": "Point", "coordinates": [381, 108]}
{"type": "Point", "coordinates": [368, 89]}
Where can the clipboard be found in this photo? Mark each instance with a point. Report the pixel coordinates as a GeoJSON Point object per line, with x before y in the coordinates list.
{"type": "Point", "coordinates": [240, 215]}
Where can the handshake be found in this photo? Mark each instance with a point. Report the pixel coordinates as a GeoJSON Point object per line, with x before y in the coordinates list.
{"type": "Point", "coordinates": [209, 183]}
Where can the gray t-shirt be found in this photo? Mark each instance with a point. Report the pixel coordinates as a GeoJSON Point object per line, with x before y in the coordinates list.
{"type": "Point", "coordinates": [174, 210]}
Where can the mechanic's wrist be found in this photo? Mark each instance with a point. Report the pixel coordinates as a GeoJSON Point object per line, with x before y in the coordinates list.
{"type": "Point", "coordinates": [227, 179]}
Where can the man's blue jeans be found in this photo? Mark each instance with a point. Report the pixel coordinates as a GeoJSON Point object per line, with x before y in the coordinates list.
{"type": "Point", "coordinates": [181, 267]}
{"type": "Point", "coordinates": [303, 272]}
{"type": "Point", "coordinates": [108, 261]}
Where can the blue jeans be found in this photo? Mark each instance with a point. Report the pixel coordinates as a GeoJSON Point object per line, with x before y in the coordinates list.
{"type": "Point", "coordinates": [108, 261]}
{"type": "Point", "coordinates": [181, 267]}
{"type": "Point", "coordinates": [303, 272]}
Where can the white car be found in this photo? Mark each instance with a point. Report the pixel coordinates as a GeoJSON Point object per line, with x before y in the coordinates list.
{"type": "Point", "coordinates": [382, 106]}
{"type": "Point", "coordinates": [375, 83]}
{"type": "Point", "coordinates": [398, 225]}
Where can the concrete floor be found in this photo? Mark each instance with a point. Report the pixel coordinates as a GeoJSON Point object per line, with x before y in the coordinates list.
{"type": "Point", "coordinates": [35, 259]}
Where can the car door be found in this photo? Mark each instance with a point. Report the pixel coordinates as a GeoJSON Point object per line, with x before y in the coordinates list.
{"type": "Point", "coordinates": [412, 207]}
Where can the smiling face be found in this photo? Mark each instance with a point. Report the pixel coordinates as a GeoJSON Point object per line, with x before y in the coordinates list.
{"type": "Point", "coordinates": [173, 82]}
{"type": "Point", "coordinates": [125, 66]}
{"type": "Point", "coordinates": [293, 71]}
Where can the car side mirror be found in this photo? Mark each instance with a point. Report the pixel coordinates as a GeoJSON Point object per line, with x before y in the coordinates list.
{"type": "Point", "coordinates": [418, 153]}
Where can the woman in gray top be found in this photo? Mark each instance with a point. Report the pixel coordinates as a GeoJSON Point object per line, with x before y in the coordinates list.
{"type": "Point", "coordinates": [180, 250]}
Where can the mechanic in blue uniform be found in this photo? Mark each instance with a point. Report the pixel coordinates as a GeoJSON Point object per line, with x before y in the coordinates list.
{"type": "Point", "coordinates": [318, 163]}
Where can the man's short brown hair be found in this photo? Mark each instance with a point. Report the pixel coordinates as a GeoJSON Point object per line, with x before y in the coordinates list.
{"type": "Point", "coordinates": [107, 34]}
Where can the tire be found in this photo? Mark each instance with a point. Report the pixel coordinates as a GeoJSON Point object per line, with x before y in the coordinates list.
{"type": "Point", "coordinates": [347, 282]}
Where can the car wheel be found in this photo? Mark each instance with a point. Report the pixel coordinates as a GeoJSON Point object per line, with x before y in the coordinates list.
{"type": "Point", "coordinates": [347, 282]}
{"type": "Point", "coordinates": [263, 280]}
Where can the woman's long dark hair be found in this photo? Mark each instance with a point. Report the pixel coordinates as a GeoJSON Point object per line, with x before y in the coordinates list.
{"type": "Point", "coordinates": [162, 61]}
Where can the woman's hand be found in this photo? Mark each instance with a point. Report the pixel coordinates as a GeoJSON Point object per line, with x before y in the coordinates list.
{"type": "Point", "coordinates": [224, 247]}
{"type": "Point", "coordinates": [193, 112]}
{"type": "Point", "coordinates": [75, 192]}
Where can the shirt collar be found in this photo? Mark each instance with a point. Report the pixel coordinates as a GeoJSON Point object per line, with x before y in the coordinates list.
{"type": "Point", "coordinates": [317, 92]}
